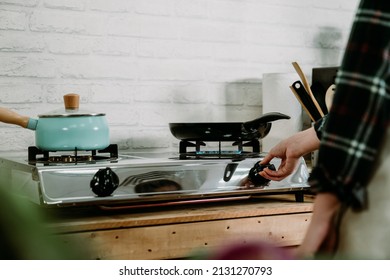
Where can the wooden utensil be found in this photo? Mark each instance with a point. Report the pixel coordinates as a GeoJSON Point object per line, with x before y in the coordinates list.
{"type": "Point", "coordinates": [306, 84]}
{"type": "Point", "coordinates": [301, 102]}
{"type": "Point", "coordinates": [305, 97]}
{"type": "Point", "coordinates": [329, 96]}
{"type": "Point", "coordinates": [307, 102]}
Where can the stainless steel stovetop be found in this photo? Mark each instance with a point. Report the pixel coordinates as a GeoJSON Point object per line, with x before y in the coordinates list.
{"type": "Point", "coordinates": [141, 179]}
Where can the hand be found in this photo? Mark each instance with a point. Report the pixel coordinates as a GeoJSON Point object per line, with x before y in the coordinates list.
{"type": "Point", "coordinates": [289, 151]}
{"type": "Point", "coordinates": [286, 167]}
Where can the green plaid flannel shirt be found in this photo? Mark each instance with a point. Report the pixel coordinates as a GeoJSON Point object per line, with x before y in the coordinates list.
{"type": "Point", "coordinates": [355, 128]}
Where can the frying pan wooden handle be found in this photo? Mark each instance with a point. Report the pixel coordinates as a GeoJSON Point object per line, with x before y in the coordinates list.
{"type": "Point", "coordinates": [11, 117]}
{"type": "Point", "coordinates": [72, 101]}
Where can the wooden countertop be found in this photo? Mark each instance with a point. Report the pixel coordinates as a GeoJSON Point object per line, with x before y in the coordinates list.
{"type": "Point", "coordinates": [172, 232]}
{"type": "Point", "coordinates": [100, 219]}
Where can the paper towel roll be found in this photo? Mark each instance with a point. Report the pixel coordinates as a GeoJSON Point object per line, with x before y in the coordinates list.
{"type": "Point", "coordinates": [278, 97]}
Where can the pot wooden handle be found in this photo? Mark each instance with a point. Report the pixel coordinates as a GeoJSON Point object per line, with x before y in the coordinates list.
{"type": "Point", "coordinates": [11, 117]}
{"type": "Point", "coordinates": [71, 101]}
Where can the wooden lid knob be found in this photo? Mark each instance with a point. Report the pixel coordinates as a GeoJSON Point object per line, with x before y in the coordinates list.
{"type": "Point", "coordinates": [71, 101]}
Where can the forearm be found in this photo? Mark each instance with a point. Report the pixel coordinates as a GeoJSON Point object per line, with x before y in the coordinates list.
{"type": "Point", "coordinates": [321, 226]}
{"type": "Point", "coordinates": [304, 142]}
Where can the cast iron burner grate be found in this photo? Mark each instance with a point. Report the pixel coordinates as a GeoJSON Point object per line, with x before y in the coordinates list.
{"type": "Point", "coordinates": [36, 155]}
{"type": "Point", "coordinates": [237, 154]}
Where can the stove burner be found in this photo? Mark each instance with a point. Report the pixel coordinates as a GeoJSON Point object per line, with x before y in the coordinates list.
{"type": "Point", "coordinates": [70, 159]}
{"type": "Point", "coordinates": [86, 157]}
{"type": "Point", "coordinates": [238, 154]}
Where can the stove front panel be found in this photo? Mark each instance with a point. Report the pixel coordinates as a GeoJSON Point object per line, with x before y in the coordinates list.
{"type": "Point", "coordinates": [143, 180]}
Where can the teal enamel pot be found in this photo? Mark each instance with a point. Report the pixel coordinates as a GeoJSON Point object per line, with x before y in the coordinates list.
{"type": "Point", "coordinates": [64, 130]}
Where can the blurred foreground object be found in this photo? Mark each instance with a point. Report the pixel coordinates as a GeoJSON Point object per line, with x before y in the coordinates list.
{"type": "Point", "coordinates": [23, 235]}
{"type": "Point", "coordinates": [250, 250]}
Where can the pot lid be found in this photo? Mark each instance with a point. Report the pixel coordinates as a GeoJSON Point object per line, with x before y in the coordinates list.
{"type": "Point", "coordinates": [71, 109]}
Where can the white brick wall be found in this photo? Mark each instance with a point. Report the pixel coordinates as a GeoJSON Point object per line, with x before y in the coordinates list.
{"type": "Point", "coordinates": [146, 63]}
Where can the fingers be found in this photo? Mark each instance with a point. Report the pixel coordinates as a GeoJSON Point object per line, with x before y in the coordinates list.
{"type": "Point", "coordinates": [272, 175]}
{"type": "Point", "coordinates": [267, 159]}
{"type": "Point", "coordinates": [284, 170]}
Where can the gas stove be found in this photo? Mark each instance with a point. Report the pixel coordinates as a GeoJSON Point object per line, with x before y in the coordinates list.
{"type": "Point", "coordinates": [136, 179]}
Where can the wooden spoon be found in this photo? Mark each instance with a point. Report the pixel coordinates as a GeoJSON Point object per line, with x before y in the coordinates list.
{"type": "Point", "coordinates": [306, 84]}
{"type": "Point", "coordinates": [302, 103]}
{"type": "Point", "coordinates": [329, 96]}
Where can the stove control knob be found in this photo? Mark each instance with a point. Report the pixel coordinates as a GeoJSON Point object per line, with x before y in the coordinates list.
{"type": "Point", "coordinates": [104, 182]}
{"type": "Point", "coordinates": [254, 175]}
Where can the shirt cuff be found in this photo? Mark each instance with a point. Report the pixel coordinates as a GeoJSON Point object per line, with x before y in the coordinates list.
{"type": "Point", "coordinates": [319, 126]}
{"type": "Point", "coordinates": [354, 197]}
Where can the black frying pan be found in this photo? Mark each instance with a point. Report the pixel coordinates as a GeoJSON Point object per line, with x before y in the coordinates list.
{"type": "Point", "coordinates": [226, 131]}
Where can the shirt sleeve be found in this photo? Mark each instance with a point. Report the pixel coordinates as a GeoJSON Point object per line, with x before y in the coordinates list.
{"type": "Point", "coordinates": [358, 120]}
